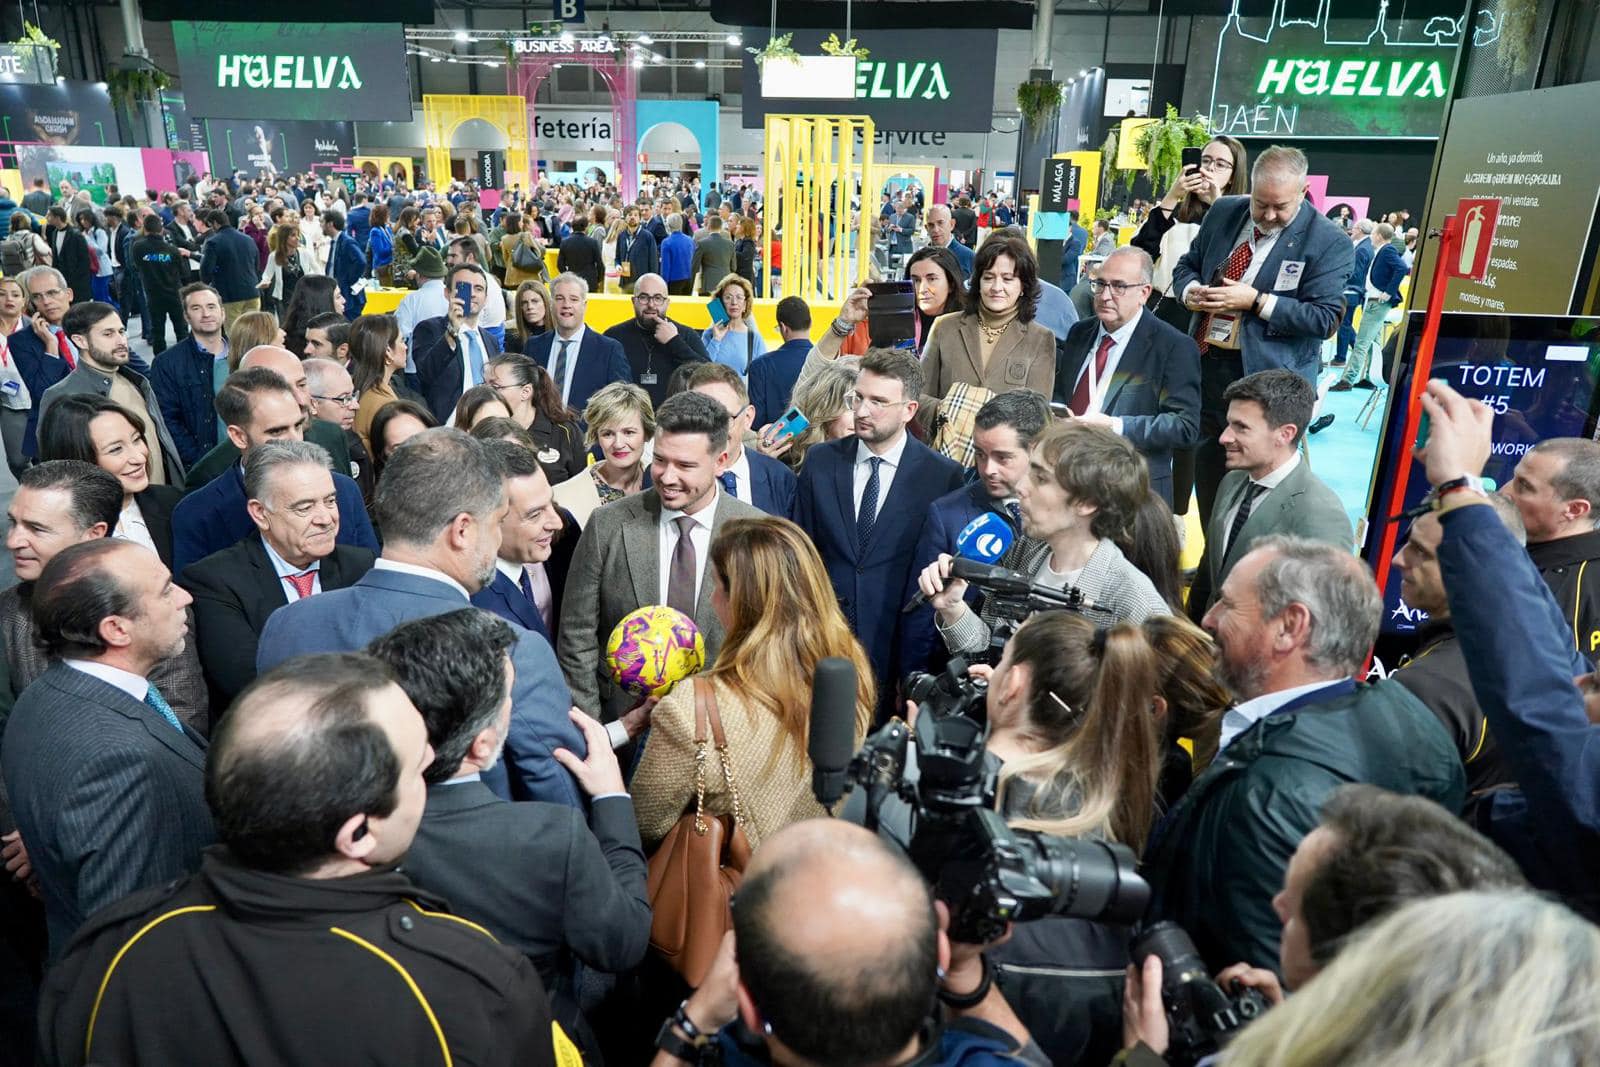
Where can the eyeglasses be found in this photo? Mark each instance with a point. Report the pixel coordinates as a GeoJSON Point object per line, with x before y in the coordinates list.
{"type": "Point", "coordinates": [349, 399]}
{"type": "Point", "coordinates": [1100, 285]}
{"type": "Point", "coordinates": [853, 400]}
{"type": "Point", "coordinates": [651, 298]}
{"type": "Point", "coordinates": [1216, 163]}
{"type": "Point", "coordinates": [49, 294]}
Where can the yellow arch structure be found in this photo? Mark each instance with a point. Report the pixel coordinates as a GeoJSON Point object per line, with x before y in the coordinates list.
{"type": "Point", "coordinates": [443, 114]}
{"type": "Point", "coordinates": [811, 169]}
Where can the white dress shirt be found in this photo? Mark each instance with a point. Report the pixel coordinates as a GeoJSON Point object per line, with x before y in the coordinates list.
{"type": "Point", "coordinates": [428, 301]}
{"type": "Point", "coordinates": [1259, 251]}
{"type": "Point", "coordinates": [284, 568]}
{"type": "Point", "coordinates": [886, 472]}
{"type": "Point", "coordinates": [1099, 384]}
{"type": "Point", "coordinates": [1236, 720]}
{"type": "Point", "coordinates": [699, 536]}
{"type": "Point", "coordinates": [1270, 482]}
{"type": "Point", "coordinates": [132, 527]}
{"type": "Point", "coordinates": [134, 685]}
{"type": "Point", "coordinates": [382, 564]}
{"type": "Point", "coordinates": [573, 343]}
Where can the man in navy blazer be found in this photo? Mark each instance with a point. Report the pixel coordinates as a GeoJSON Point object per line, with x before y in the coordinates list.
{"type": "Point", "coordinates": [1277, 310]}
{"type": "Point", "coordinates": [773, 375]}
{"type": "Point", "coordinates": [451, 350]}
{"type": "Point", "coordinates": [440, 503]}
{"type": "Point", "coordinates": [527, 534]}
{"type": "Point", "coordinates": [1003, 431]}
{"type": "Point", "coordinates": [751, 476]}
{"type": "Point", "coordinates": [346, 263]}
{"type": "Point", "coordinates": [863, 499]}
{"type": "Point", "coordinates": [1354, 286]}
{"type": "Point", "coordinates": [1380, 293]}
{"type": "Point", "coordinates": [1148, 386]}
{"type": "Point", "coordinates": [39, 369]}
{"type": "Point", "coordinates": [581, 361]}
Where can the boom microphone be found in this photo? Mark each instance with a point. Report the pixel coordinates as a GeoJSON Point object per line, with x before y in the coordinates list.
{"type": "Point", "coordinates": [983, 540]}
{"type": "Point", "coordinates": [832, 739]}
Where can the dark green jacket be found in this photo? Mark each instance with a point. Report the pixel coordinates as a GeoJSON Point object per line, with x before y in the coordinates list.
{"type": "Point", "coordinates": [319, 432]}
{"type": "Point", "coordinates": [1219, 857]}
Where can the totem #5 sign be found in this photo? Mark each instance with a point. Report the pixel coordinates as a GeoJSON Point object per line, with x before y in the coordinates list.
{"type": "Point", "coordinates": [343, 71]}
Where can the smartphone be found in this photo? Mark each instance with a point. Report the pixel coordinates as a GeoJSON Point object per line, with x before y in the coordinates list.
{"type": "Point", "coordinates": [792, 424]}
{"type": "Point", "coordinates": [1191, 158]}
{"type": "Point", "coordinates": [464, 294]}
{"type": "Point", "coordinates": [891, 313]}
{"type": "Point", "coordinates": [1060, 410]}
{"type": "Point", "coordinates": [1422, 431]}
{"type": "Point", "coordinates": [1219, 276]}
{"type": "Point", "coordinates": [719, 314]}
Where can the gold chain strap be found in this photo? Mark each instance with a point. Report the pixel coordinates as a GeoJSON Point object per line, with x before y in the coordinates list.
{"type": "Point", "coordinates": [700, 786]}
{"type": "Point", "coordinates": [727, 778]}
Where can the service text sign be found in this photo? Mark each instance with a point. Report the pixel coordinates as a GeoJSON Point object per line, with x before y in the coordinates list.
{"type": "Point", "coordinates": [283, 71]}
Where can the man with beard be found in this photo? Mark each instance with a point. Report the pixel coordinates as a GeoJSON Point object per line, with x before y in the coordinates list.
{"type": "Point", "coordinates": [441, 504]}
{"type": "Point", "coordinates": [654, 344]}
{"type": "Point", "coordinates": [1293, 624]}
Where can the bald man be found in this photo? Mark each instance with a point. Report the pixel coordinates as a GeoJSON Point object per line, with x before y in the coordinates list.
{"type": "Point", "coordinates": [839, 952]}
{"type": "Point", "coordinates": [318, 431]}
{"type": "Point", "coordinates": [334, 400]}
{"type": "Point", "coordinates": [941, 234]}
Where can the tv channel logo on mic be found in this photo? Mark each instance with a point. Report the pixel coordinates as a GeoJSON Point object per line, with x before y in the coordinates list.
{"type": "Point", "coordinates": [985, 539]}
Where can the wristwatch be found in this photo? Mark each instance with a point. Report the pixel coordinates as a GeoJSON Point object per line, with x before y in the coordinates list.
{"type": "Point", "coordinates": [669, 1042]}
{"type": "Point", "coordinates": [1465, 484]}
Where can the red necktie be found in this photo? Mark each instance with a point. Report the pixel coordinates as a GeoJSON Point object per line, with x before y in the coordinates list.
{"type": "Point", "coordinates": [1080, 395]}
{"type": "Point", "coordinates": [65, 349]}
{"type": "Point", "coordinates": [1238, 263]}
{"type": "Point", "coordinates": [301, 582]}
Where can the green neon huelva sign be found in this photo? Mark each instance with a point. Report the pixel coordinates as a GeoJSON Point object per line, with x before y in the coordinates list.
{"type": "Point", "coordinates": [1352, 77]}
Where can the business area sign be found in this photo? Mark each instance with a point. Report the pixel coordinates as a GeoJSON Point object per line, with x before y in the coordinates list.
{"type": "Point", "coordinates": [1283, 76]}
{"type": "Point", "coordinates": [284, 71]}
{"type": "Point", "coordinates": [564, 46]}
{"type": "Point", "coordinates": [912, 80]}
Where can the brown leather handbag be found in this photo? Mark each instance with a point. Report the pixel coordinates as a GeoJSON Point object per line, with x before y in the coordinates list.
{"type": "Point", "coordinates": [700, 863]}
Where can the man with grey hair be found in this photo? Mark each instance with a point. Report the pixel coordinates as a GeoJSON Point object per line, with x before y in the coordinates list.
{"type": "Point", "coordinates": [441, 502]}
{"type": "Point", "coordinates": [1265, 279]}
{"type": "Point", "coordinates": [1294, 625]}
{"type": "Point", "coordinates": [941, 234]}
{"type": "Point", "coordinates": [1130, 372]}
{"type": "Point", "coordinates": [1556, 488]}
{"type": "Point", "coordinates": [293, 553]}
{"type": "Point", "coordinates": [1380, 293]}
{"type": "Point", "coordinates": [677, 254]}
{"type": "Point", "coordinates": [581, 361]}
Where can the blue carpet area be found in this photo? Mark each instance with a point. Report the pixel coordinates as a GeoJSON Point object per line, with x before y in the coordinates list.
{"type": "Point", "coordinates": [1343, 455]}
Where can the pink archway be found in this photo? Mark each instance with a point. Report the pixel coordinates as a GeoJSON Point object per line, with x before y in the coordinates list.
{"type": "Point", "coordinates": [524, 77]}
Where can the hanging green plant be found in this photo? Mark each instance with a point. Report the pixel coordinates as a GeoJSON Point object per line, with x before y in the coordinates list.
{"type": "Point", "coordinates": [1162, 142]}
{"type": "Point", "coordinates": [130, 86]}
{"type": "Point", "coordinates": [777, 48]}
{"type": "Point", "coordinates": [33, 35]}
{"type": "Point", "coordinates": [832, 47]}
{"type": "Point", "coordinates": [1036, 99]}
{"type": "Point", "coordinates": [1110, 175]}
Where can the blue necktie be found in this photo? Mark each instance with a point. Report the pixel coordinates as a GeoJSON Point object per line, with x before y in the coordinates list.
{"type": "Point", "coordinates": [469, 342]}
{"type": "Point", "coordinates": [1014, 509]}
{"type": "Point", "coordinates": [867, 514]}
{"type": "Point", "coordinates": [730, 483]}
{"type": "Point", "coordinates": [153, 697]}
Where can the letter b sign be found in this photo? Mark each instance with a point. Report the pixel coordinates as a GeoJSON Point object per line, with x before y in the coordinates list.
{"type": "Point", "coordinates": [569, 10]}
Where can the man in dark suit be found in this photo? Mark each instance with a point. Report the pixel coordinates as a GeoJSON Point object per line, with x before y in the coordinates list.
{"type": "Point", "coordinates": [185, 232]}
{"type": "Point", "coordinates": [1130, 372]}
{"type": "Point", "coordinates": [1269, 488]}
{"type": "Point", "coordinates": [713, 256]}
{"type": "Point", "coordinates": [258, 406]}
{"type": "Point", "coordinates": [581, 361]}
{"type": "Point", "coordinates": [39, 341]}
{"type": "Point", "coordinates": [533, 874]}
{"type": "Point", "coordinates": [69, 251]}
{"type": "Point", "coordinates": [941, 234]}
{"type": "Point", "coordinates": [772, 376]}
{"type": "Point", "coordinates": [1283, 267]}
{"type": "Point", "coordinates": [1380, 294]}
{"type": "Point", "coordinates": [863, 499]}
{"type": "Point", "coordinates": [440, 503]}
{"type": "Point", "coordinates": [527, 534]}
{"type": "Point", "coordinates": [751, 476]}
{"type": "Point", "coordinates": [617, 565]}
{"type": "Point", "coordinates": [293, 554]}
{"type": "Point", "coordinates": [655, 345]}
{"type": "Point", "coordinates": [107, 785]}
{"type": "Point", "coordinates": [1072, 251]}
{"type": "Point", "coordinates": [580, 254]}
{"type": "Point", "coordinates": [451, 350]}
{"type": "Point", "coordinates": [1003, 432]}
{"type": "Point", "coordinates": [1355, 286]}
{"type": "Point", "coordinates": [183, 376]}
{"type": "Point", "coordinates": [347, 264]}
{"type": "Point", "coordinates": [638, 252]}
{"type": "Point", "coordinates": [228, 263]}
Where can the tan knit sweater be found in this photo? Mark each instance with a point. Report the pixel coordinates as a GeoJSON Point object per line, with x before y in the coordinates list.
{"type": "Point", "coordinates": [663, 784]}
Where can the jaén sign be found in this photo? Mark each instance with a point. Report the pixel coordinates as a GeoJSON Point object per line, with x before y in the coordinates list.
{"type": "Point", "coordinates": [1477, 217]}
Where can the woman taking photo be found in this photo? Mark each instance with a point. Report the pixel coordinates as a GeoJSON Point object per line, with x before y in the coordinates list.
{"type": "Point", "coordinates": [621, 423]}
{"type": "Point", "coordinates": [93, 429]}
{"type": "Point", "coordinates": [377, 354]}
{"type": "Point", "coordinates": [737, 342]}
{"type": "Point", "coordinates": [1169, 231]}
{"type": "Point", "coordinates": [530, 393]}
{"type": "Point", "coordinates": [532, 313]}
{"type": "Point", "coordinates": [994, 342]}
{"type": "Point", "coordinates": [761, 684]}
{"type": "Point", "coordinates": [821, 398]}
{"type": "Point", "coordinates": [315, 294]}
{"type": "Point", "coordinates": [518, 236]}
{"type": "Point", "coordinates": [380, 245]}
{"type": "Point", "coordinates": [287, 264]}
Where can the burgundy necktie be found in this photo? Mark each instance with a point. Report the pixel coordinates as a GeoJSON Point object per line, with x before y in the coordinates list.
{"type": "Point", "coordinates": [301, 582]}
{"type": "Point", "coordinates": [1238, 263]}
{"type": "Point", "coordinates": [1080, 395]}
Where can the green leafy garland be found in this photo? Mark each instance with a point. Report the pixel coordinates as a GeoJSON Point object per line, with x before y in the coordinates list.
{"type": "Point", "coordinates": [1036, 99]}
{"type": "Point", "coordinates": [129, 86]}
{"type": "Point", "coordinates": [1162, 143]}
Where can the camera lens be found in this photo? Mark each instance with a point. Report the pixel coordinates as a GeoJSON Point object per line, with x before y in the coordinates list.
{"type": "Point", "coordinates": [1095, 880]}
{"type": "Point", "coordinates": [1179, 958]}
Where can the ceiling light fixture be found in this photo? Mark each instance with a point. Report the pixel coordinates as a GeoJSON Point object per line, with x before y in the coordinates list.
{"type": "Point", "coordinates": [463, 36]}
{"type": "Point", "coordinates": [734, 39]}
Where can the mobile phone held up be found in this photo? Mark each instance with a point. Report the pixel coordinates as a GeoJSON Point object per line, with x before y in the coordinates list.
{"type": "Point", "coordinates": [891, 313]}
{"type": "Point", "coordinates": [1191, 159]}
{"type": "Point", "coordinates": [464, 294]}
{"type": "Point", "coordinates": [719, 314]}
{"type": "Point", "coordinates": [793, 423]}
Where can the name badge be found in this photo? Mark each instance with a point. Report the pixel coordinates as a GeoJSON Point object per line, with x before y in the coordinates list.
{"type": "Point", "coordinates": [648, 378]}
{"type": "Point", "coordinates": [1289, 275]}
{"type": "Point", "coordinates": [548, 455]}
{"type": "Point", "coordinates": [1221, 329]}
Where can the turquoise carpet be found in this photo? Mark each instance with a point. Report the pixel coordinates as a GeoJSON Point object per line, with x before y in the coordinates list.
{"type": "Point", "coordinates": [1344, 454]}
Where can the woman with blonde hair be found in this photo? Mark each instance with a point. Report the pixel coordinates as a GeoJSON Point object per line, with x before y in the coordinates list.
{"type": "Point", "coordinates": [737, 342]}
{"type": "Point", "coordinates": [1481, 979]}
{"type": "Point", "coordinates": [621, 423]}
{"type": "Point", "coordinates": [250, 330]}
{"type": "Point", "coordinates": [761, 683]}
{"type": "Point", "coordinates": [821, 399]}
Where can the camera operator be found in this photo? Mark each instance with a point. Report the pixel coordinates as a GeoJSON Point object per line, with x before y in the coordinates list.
{"type": "Point", "coordinates": [840, 955]}
{"type": "Point", "coordinates": [1372, 853]}
{"type": "Point", "coordinates": [1082, 491]}
{"type": "Point", "coordinates": [1070, 718]}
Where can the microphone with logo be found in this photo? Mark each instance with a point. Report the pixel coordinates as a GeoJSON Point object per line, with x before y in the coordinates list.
{"type": "Point", "coordinates": [983, 540]}
{"type": "Point", "coordinates": [832, 739]}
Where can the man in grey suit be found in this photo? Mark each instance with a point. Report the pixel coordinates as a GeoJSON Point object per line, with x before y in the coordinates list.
{"type": "Point", "coordinates": [617, 566]}
{"type": "Point", "coordinates": [440, 504]}
{"type": "Point", "coordinates": [107, 785]}
{"type": "Point", "coordinates": [713, 256]}
{"type": "Point", "coordinates": [1269, 488]}
{"type": "Point", "coordinates": [533, 874]}
{"type": "Point", "coordinates": [1265, 279]}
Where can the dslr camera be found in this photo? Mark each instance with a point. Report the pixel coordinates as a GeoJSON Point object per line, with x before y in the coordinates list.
{"type": "Point", "coordinates": [932, 793]}
{"type": "Point", "coordinates": [1201, 1017]}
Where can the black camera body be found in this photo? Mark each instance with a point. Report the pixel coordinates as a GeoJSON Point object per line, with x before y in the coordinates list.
{"type": "Point", "coordinates": [1201, 1016]}
{"type": "Point", "coordinates": [932, 793]}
